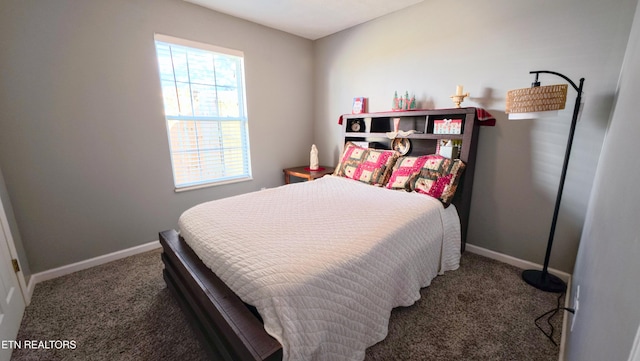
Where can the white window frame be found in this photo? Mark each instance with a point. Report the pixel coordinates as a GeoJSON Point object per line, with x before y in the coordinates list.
{"type": "Point", "coordinates": [212, 121]}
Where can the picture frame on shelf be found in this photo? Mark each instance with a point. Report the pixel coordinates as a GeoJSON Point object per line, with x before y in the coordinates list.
{"type": "Point", "coordinates": [401, 145]}
{"type": "Point", "coordinates": [359, 105]}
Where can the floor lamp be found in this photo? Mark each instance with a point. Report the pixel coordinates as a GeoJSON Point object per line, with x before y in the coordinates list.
{"type": "Point", "coordinates": [525, 104]}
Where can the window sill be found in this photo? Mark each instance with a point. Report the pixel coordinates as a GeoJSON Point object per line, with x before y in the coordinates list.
{"type": "Point", "coordinates": [215, 184]}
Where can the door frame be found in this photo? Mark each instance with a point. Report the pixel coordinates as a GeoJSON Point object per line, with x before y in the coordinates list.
{"type": "Point", "coordinates": [14, 254]}
{"type": "Point", "coordinates": [634, 355]}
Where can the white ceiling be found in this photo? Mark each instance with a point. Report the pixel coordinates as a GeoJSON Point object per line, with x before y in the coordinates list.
{"type": "Point", "coordinates": [311, 19]}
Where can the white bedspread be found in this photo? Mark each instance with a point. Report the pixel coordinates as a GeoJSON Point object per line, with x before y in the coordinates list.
{"type": "Point", "coordinates": [324, 262]}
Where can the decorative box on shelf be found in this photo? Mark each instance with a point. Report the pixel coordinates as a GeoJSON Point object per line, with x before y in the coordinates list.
{"type": "Point", "coordinates": [449, 148]}
{"type": "Point", "coordinates": [447, 126]}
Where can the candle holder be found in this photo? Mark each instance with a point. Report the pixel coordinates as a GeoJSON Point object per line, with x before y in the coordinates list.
{"type": "Point", "coordinates": [458, 98]}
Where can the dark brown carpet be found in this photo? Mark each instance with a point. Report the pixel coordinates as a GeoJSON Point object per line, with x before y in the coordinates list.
{"type": "Point", "coordinates": [123, 311]}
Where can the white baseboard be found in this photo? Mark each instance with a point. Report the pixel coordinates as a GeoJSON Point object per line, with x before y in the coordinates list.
{"type": "Point", "coordinates": [30, 287]}
{"type": "Point", "coordinates": [92, 262]}
{"type": "Point", "coordinates": [520, 263]}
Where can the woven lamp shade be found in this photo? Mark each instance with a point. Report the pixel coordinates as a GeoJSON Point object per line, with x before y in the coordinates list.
{"type": "Point", "coordinates": [537, 99]}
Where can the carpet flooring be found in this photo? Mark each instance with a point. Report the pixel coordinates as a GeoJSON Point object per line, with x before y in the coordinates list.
{"type": "Point", "coordinates": [123, 311]}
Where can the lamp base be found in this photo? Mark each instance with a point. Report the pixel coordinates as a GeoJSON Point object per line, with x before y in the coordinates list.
{"type": "Point", "coordinates": [545, 282]}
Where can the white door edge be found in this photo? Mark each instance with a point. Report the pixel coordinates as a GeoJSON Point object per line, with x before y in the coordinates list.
{"type": "Point", "coordinates": [14, 254]}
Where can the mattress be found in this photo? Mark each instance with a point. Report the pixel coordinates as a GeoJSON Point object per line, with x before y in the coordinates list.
{"type": "Point", "coordinates": [325, 262]}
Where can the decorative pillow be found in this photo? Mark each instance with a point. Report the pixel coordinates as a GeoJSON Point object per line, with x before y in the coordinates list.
{"type": "Point", "coordinates": [375, 168]}
{"type": "Point", "coordinates": [404, 169]}
{"type": "Point", "coordinates": [439, 178]}
{"type": "Point", "coordinates": [352, 156]}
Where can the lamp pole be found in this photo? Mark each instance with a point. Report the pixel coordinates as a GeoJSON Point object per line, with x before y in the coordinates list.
{"type": "Point", "coordinates": [543, 280]}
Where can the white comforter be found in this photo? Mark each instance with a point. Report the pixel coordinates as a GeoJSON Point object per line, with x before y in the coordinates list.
{"type": "Point", "coordinates": [324, 262]}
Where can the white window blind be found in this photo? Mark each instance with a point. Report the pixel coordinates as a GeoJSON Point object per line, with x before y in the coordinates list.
{"type": "Point", "coordinates": [205, 109]}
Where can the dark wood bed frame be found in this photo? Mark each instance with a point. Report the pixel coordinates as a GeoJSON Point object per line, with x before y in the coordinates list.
{"type": "Point", "coordinates": [231, 330]}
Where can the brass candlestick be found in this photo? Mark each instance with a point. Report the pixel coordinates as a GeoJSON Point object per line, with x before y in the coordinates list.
{"type": "Point", "coordinates": [457, 99]}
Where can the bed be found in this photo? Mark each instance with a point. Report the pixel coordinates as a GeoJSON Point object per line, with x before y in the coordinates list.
{"type": "Point", "coordinates": [310, 271]}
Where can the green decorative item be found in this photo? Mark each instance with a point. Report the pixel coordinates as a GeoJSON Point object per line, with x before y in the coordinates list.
{"type": "Point", "coordinates": [396, 104]}
{"type": "Point", "coordinates": [403, 102]}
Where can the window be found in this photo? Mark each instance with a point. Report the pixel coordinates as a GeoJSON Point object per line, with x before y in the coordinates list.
{"type": "Point", "coordinates": [205, 110]}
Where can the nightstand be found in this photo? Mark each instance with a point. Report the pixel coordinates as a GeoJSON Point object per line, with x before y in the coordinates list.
{"type": "Point", "coordinates": [306, 173]}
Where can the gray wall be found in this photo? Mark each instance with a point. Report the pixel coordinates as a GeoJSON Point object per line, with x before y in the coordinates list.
{"type": "Point", "coordinates": [608, 262]}
{"type": "Point", "coordinates": [83, 144]}
{"type": "Point", "coordinates": [490, 47]}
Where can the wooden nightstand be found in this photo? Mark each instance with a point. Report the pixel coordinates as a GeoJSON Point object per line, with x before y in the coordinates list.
{"type": "Point", "coordinates": [304, 172]}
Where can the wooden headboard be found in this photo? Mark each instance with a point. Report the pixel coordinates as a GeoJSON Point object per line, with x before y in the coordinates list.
{"type": "Point", "coordinates": [372, 129]}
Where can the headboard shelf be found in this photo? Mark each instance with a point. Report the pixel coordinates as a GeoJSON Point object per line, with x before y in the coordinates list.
{"type": "Point", "coordinates": [372, 129]}
{"type": "Point", "coordinates": [410, 136]}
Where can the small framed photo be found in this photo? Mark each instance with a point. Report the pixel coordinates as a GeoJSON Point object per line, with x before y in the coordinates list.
{"type": "Point", "coordinates": [359, 105]}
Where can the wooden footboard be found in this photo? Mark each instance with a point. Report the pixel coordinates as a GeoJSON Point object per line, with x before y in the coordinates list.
{"type": "Point", "coordinates": [225, 325]}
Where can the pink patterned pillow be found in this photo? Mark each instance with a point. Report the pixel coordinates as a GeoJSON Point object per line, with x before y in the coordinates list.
{"type": "Point", "coordinates": [439, 178]}
{"type": "Point", "coordinates": [351, 158]}
{"type": "Point", "coordinates": [404, 169]}
{"type": "Point", "coordinates": [376, 167]}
